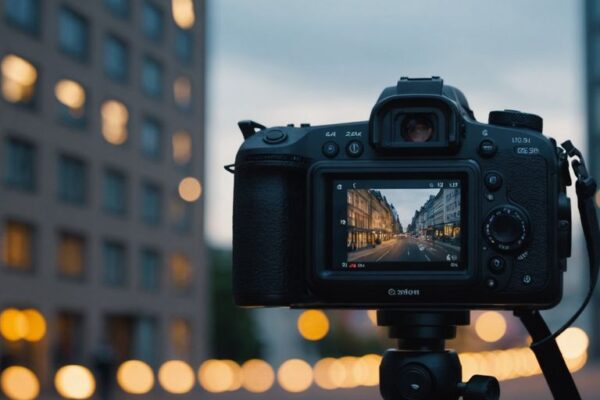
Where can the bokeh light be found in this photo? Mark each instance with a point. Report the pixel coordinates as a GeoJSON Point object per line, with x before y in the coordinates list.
{"type": "Point", "coordinates": [190, 189]}
{"type": "Point", "coordinates": [115, 118]}
{"type": "Point", "coordinates": [18, 78]}
{"type": "Point", "coordinates": [135, 377]}
{"type": "Point", "coordinates": [183, 13]}
{"type": "Point", "coordinates": [216, 376]}
{"type": "Point", "coordinates": [236, 371]}
{"type": "Point", "coordinates": [182, 91]}
{"type": "Point", "coordinates": [19, 383]}
{"type": "Point", "coordinates": [182, 147]}
{"type": "Point", "coordinates": [13, 324]}
{"type": "Point", "coordinates": [573, 342]}
{"type": "Point", "coordinates": [313, 325]}
{"type": "Point", "coordinates": [372, 314]}
{"type": "Point", "coordinates": [329, 373]}
{"type": "Point", "coordinates": [257, 376]}
{"type": "Point", "coordinates": [176, 377]}
{"type": "Point", "coordinates": [36, 325]}
{"type": "Point", "coordinates": [295, 375]}
{"type": "Point", "coordinates": [490, 326]}
{"type": "Point", "coordinates": [70, 93]}
{"type": "Point", "coordinates": [371, 363]}
{"type": "Point", "coordinates": [74, 382]}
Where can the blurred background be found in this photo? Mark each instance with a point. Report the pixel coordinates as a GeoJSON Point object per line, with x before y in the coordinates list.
{"type": "Point", "coordinates": [116, 118]}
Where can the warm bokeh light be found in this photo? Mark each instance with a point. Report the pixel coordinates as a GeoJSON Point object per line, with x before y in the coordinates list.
{"type": "Point", "coordinates": [295, 375]}
{"type": "Point", "coordinates": [371, 362]}
{"type": "Point", "coordinates": [372, 314]}
{"type": "Point", "coordinates": [180, 270]}
{"type": "Point", "coordinates": [490, 326]}
{"type": "Point", "coordinates": [329, 373]}
{"type": "Point", "coordinates": [183, 13]}
{"type": "Point", "coordinates": [176, 377]}
{"type": "Point", "coordinates": [70, 93]}
{"type": "Point", "coordinates": [597, 198]}
{"type": "Point", "coordinates": [19, 383]}
{"type": "Point", "coordinates": [36, 325]}
{"type": "Point", "coordinates": [182, 147]}
{"type": "Point", "coordinates": [74, 382]}
{"type": "Point", "coordinates": [257, 376]}
{"type": "Point", "coordinates": [18, 79]}
{"type": "Point", "coordinates": [115, 118]}
{"type": "Point", "coordinates": [313, 324]}
{"type": "Point", "coordinates": [349, 377]}
{"type": "Point", "coordinates": [182, 91]}
{"type": "Point", "coordinates": [190, 189]}
{"type": "Point", "coordinates": [13, 324]}
{"type": "Point", "coordinates": [573, 342]}
{"type": "Point", "coordinates": [135, 377]}
{"type": "Point", "coordinates": [216, 376]}
{"type": "Point", "coordinates": [236, 370]}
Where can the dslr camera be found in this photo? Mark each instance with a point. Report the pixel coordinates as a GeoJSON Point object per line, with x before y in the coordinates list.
{"type": "Point", "coordinates": [421, 206]}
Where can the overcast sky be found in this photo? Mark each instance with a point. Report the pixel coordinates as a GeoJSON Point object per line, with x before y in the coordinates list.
{"type": "Point", "coordinates": [326, 61]}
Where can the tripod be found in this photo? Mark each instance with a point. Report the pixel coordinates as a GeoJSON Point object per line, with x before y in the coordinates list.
{"type": "Point", "coordinates": [421, 368]}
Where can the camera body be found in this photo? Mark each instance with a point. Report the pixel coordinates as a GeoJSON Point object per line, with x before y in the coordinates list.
{"type": "Point", "coordinates": [419, 207]}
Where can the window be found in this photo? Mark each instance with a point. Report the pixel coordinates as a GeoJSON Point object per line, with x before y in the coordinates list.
{"type": "Point", "coordinates": [72, 180]}
{"type": "Point", "coordinates": [115, 192]}
{"type": "Point", "coordinates": [152, 21]}
{"type": "Point", "coordinates": [150, 270]}
{"type": "Point", "coordinates": [119, 8]}
{"type": "Point", "coordinates": [73, 34]}
{"type": "Point", "coordinates": [182, 92]}
{"type": "Point", "coordinates": [71, 99]}
{"type": "Point", "coordinates": [23, 14]}
{"type": "Point", "coordinates": [181, 144]}
{"type": "Point", "coordinates": [115, 267]}
{"type": "Point", "coordinates": [70, 338]}
{"type": "Point", "coordinates": [180, 271]}
{"type": "Point", "coordinates": [115, 119]}
{"type": "Point", "coordinates": [71, 255]}
{"type": "Point", "coordinates": [151, 138]}
{"type": "Point", "coordinates": [152, 77]}
{"type": "Point", "coordinates": [183, 46]}
{"type": "Point", "coordinates": [116, 59]}
{"type": "Point", "coordinates": [19, 168]}
{"type": "Point", "coordinates": [180, 335]}
{"type": "Point", "coordinates": [17, 252]}
{"type": "Point", "coordinates": [181, 215]}
{"type": "Point", "coordinates": [19, 80]}
{"type": "Point", "coordinates": [151, 203]}
{"type": "Point", "coordinates": [145, 340]}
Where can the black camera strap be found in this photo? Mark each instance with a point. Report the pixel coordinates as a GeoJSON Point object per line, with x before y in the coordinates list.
{"type": "Point", "coordinates": [544, 344]}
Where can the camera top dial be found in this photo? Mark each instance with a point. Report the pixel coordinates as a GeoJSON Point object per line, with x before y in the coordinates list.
{"type": "Point", "coordinates": [506, 228]}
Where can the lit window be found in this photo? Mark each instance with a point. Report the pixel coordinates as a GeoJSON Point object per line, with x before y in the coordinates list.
{"type": "Point", "coordinates": [180, 271]}
{"type": "Point", "coordinates": [72, 180]}
{"type": "Point", "coordinates": [115, 264]}
{"type": "Point", "coordinates": [19, 166]}
{"type": "Point", "coordinates": [182, 92]}
{"type": "Point", "coordinates": [180, 334]}
{"type": "Point", "coordinates": [182, 147]}
{"type": "Point", "coordinates": [150, 270]}
{"type": "Point", "coordinates": [183, 46]}
{"type": "Point", "coordinates": [116, 59]}
{"type": "Point", "coordinates": [18, 245]}
{"type": "Point", "coordinates": [152, 77]}
{"type": "Point", "coordinates": [152, 21]}
{"type": "Point", "coordinates": [71, 98]}
{"type": "Point", "coordinates": [119, 8]}
{"type": "Point", "coordinates": [71, 255]}
{"type": "Point", "coordinates": [183, 13]}
{"type": "Point", "coordinates": [73, 34]}
{"type": "Point", "coordinates": [24, 14]}
{"type": "Point", "coordinates": [151, 203]}
{"type": "Point", "coordinates": [115, 118]}
{"type": "Point", "coordinates": [151, 138]}
{"type": "Point", "coordinates": [115, 192]}
{"type": "Point", "coordinates": [19, 79]}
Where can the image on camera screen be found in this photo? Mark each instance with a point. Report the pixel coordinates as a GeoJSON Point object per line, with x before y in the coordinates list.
{"type": "Point", "coordinates": [418, 224]}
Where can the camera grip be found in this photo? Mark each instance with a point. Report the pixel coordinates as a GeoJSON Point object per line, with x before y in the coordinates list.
{"type": "Point", "coordinates": [268, 232]}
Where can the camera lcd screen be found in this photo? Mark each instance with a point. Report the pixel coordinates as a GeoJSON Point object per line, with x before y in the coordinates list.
{"type": "Point", "coordinates": [410, 224]}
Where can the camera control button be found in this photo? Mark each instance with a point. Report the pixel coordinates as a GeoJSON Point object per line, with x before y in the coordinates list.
{"type": "Point", "coordinates": [491, 283]}
{"type": "Point", "coordinates": [496, 264]}
{"type": "Point", "coordinates": [330, 149]}
{"type": "Point", "coordinates": [487, 148]}
{"type": "Point", "coordinates": [354, 148]}
{"type": "Point", "coordinates": [493, 181]}
{"type": "Point", "coordinates": [274, 137]}
{"type": "Point", "coordinates": [527, 279]}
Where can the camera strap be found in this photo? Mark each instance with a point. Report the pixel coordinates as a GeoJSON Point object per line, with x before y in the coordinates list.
{"type": "Point", "coordinates": [544, 345]}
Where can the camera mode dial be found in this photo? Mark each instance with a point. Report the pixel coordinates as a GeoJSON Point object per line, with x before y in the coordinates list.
{"type": "Point", "coordinates": [506, 228]}
{"type": "Point", "coordinates": [516, 119]}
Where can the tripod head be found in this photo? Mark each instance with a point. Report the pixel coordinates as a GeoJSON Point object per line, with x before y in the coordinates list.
{"type": "Point", "coordinates": [421, 368]}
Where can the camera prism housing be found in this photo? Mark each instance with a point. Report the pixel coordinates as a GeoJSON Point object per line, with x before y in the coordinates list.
{"type": "Point", "coordinates": [419, 207]}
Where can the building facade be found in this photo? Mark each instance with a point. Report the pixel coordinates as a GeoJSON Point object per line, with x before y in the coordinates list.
{"type": "Point", "coordinates": [371, 219]}
{"type": "Point", "coordinates": [101, 136]}
{"type": "Point", "coordinates": [439, 217]}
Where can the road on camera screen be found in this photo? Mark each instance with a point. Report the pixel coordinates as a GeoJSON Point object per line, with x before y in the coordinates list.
{"type": "Point", "coordinates": [406, 249]}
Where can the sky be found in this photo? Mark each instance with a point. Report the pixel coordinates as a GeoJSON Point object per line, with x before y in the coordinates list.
{"type": "Point", "coordinates": [407, 201]}
{"type": "Point", "coordinates": [326, 61]}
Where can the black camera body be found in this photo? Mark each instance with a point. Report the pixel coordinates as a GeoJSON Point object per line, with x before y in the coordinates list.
{"type": "Point", "coordinates": [419, 207]}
